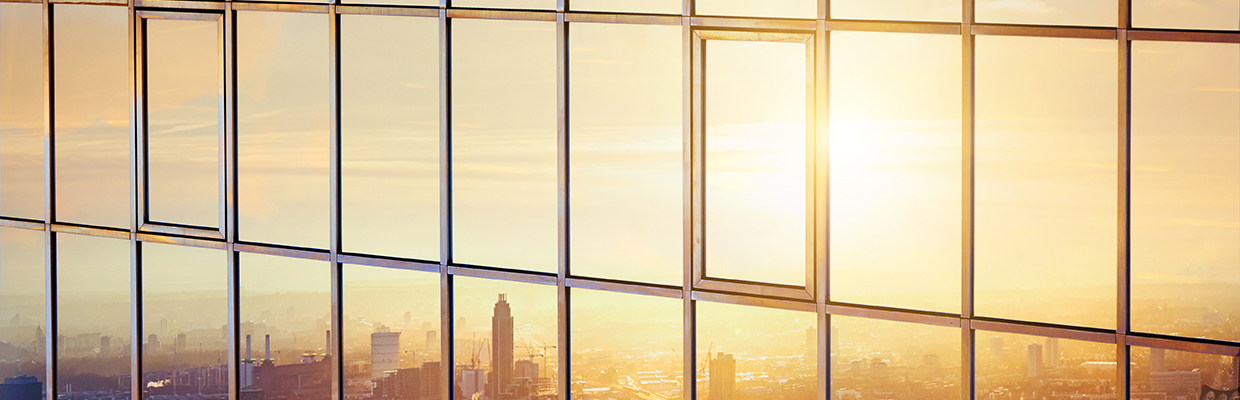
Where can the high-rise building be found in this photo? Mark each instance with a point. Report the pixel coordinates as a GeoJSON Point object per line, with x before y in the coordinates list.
{"type": "Point", "coordinates": [179, 347]}
{"type": "Point", "coordinates": [996, 347]}
{"type": "Point", "coordinates": [501, 348]}
{"type": "Point", "coordinates": [105, 345]}
{"type": "Point", "coordinates": [1158, 360]}
{"type": "Point", "coordinates": [432, 341]}
{"type": "Point", "coordinates": [1035, 360]}
{"type": "Point", "coordinates": [722, 377]}
{"type": "Point", "coordinates": [384, 351]}
{"type": "Point", "coordinates": [1052, 353]}
{"type": "Point", "coordinates": [21, 388]}
{"type": "Point", "coordinates": [152, 344]}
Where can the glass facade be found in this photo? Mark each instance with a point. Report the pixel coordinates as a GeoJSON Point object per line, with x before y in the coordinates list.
{"type": "Point", "coordinates": [614, 200]}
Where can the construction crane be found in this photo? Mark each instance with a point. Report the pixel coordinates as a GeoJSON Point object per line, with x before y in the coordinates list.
{"type": "Point", "coordinates": [535, 345]}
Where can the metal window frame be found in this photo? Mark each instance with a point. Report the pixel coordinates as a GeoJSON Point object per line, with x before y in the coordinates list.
{"type": "Point", "coordinates": [815, 299]}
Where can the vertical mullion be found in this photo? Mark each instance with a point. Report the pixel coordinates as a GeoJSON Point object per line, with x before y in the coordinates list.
{"type": "Point", "coordinates": [229, 151]}
{"type": "Point", "coordinates": [49, 203]}
{"type": "Point", "coordinates": [1123, 323]}
{"type": "Point", "coordinates": [968, 357]}
{"type": "Point", "coordinates": [689, 382]}
{"type": "Point", "coordinates": [137, 141]}
{"type": "Point", "coordinates": [337, 278]}
{"type": "Point", "coordinates": [565, 352]}
{"type": "Point", "coordinates": [819, 150]}
{"type": "Point", "coordinates": [448, 331]}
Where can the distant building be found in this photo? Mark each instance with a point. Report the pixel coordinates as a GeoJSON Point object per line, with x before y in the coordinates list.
{"type": "Point", "coordinates": [21, 388]}
{"type": "Point", "coordinates": [1035, 360]}
{"type": "Point", "coordinates": [722, 377]}
{"type": "Point", "coordinates": [996, 347]}
{"type": "Point", "coordinates": [1158, 360]}
{"type": "Point", "coordinates": [152, 344]}
{"type": "Point", "coordinates": [501, 348]}
{"type": "Point", "coordinates": [1176, 383]}
{"type": "Point", "coordinates": [179, 346]}
{"type": "Point", "coordinates": [1052, 353]}
{"type": "Point", "coordinates": [471, 381]}
{"type": "Point", "coordinates": [384, 351]}
{"type": "Point", "coordinates": [105, 345]}
{"type": "Point", "coordinates": [420, 383]}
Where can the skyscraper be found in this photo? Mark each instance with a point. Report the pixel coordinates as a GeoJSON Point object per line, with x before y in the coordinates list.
{"type": "Point", "coordinates": [384, 351]}
{"type": "Point", "coordinates": [722, 377]}
{"type": "Point", "coordinates": [1035, 360]}
{"type": "Point", "coordinates": [501, 348]}
{"type": "Point", "coordinates": [1052, 353]}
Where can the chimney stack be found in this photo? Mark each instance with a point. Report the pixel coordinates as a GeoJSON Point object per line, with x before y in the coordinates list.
{"type": "Point", "coordinates": [329, 343]}
{"type": "Point", "coordinates": [268, 354]}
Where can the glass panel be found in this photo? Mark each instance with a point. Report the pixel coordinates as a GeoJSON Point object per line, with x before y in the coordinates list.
{"type": "Point", "coordinates": [1214, 15]}
{"type": "Point", "coordinates": [751, 353]}
{"type": "Point", "coordinates": [635, 6]}
{"type": "Point", "coordinates": [1186, 188]}
{"type": "Point", "coordinates": [905, 10]}
{"type": "Point", "coordinates": [1045, 222]}
{"type": "Point", "coordinates": [770, 8]}
{"type": "Point", "coordinates": [390, 135]}
{"type": "Point", "coordinates": [1048, 12]}
{"type": "Point", "coordinates": [1159, 374]}
{"type": "Point", "coordinates": [396, 2]}
{"type": "Point", "coordinates": [514, 357]}
{"type": "Point", "coordinates": [21, 110]}
{"type": "Point", "coordinates": [282, 100]}
{"type": "Point", "coordinates": [391, 333]}
{"type": "Point", "coordinates": [286, 327]}
{"type": "Point", "coordinates": [534, 4]}
{"type": "Point", "coordinates": [1011, 366]}
{"type": "Point", "coordinates": [92, 345]}
{"type": "Point", "coordinates": [183, 121]}
{"type": "Point", "coordinates": [626, 346]}
{"type": "Point", "coordinates": [94, 89]}
{"type": "Point", "coordinates": [184, 321]}
{"type": "Point", "coordinates": [504, 144]}
{"type": "Point", "coordinates": [755, 161]}
{"type": "Point", "coordinates": [876, 359]}
{"type": "Point", "coordinates": [627, 208]}
{"type": "Point", "coordinates": [23, 305]}
{"type": "Point", "coordinates": [895, 170]}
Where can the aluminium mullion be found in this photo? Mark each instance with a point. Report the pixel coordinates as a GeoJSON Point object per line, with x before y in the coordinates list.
{"type": "Point", "coordinates": [822, 188]}
{"type": "Point", "coordinates": [137, 203]}
{"type": "Point", "coordinates": [337, 269]}
{"type": "Point", "coordinates": [446, 351]}
{"type": "Point", "coordinates": [49, 204]}
{"type": "Point", "coordinates": [688, 310]}
{"type": "Point", "coordinates": [1123, 285]}
{"type": "Point", "coordinates": [229, 122]}
{"type": "Point", "coordinates": [968, 336]}
{"type": "Point", "coordinates": [564, 380]}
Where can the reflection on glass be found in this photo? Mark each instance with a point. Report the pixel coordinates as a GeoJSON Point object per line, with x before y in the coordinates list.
{"type": "Point", "coordinates": [184, 322]}
{"type": "Point", "coordinates": [92, 345]}
{"type": "Point", "coordinates": [895, 170]}
{"type": "Point", "coordinates": [396, 2]}
{"type": "Point", "coordinates": [21, 110]}
{"type": "Point", "coordinates": [1186, 188]}
{"type": "Point", "coordinates": [390, 135]}
{"type": "Point", "coordinates": [1048, 12]}
{"type": "Point", "coordinates": [769, 8]}
{"type": "Point", "coordinates": [755, 161]}
{"type": "Point", "coordinates": [752, 353]}
{"type": "Point", "coordinates": [183, 121]}
{"type": "Point", "coordinates": [505, 340]}
{"type": "Point", "coordinates": [93, 93]}
{"type": "Point", "coordinates": [626, 346]}
{"type": "Point", "coordinates": [626, 152]}
{"type": "Point", "coordinates": [527, 4]}
{"type": "Point", "coordinates": [23, 305]}
{"type": "Point", "coordinates": [635, 6]}
{"type": "Point", "coordinates": [1045, 213]}
{"type": "Point", "coordinates": [904, 10]}
{"type": "Point", "coordinates": [285, 328]}
{"type": "Point", "coordinates": [504, 143]}
{"type": "Point", "coordinates": [1011, 366]}
{"type": "Point", "coordinates": [391, 333]}
{"type": "Point", "coordinates": [282, 128]}
{"type": "Point", "coordinates": [1159, 374]}
{"type": "Point", "coordinates": [1214, 15]}
{"type": "Point", "coordinates": [876, 359]}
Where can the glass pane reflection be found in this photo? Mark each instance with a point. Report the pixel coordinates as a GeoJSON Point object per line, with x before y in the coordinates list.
{"type": "Point", "coordinates": [895, 170]}
{"type": "Point", "coordinates": [93, 93]}
{"type": "Point", "coordinates": [504, 144]}
{"type": "Point", "coordinates": [1011, 366]}
{"type": "Point", "coordinates": [755, 161]}
{"type": "Point", "coordinates": [285, 327]}
{"type": "Point", "coordinates": [93, 314]}
{"type": "Point", "coordinates": [1186, 188]}
{"type": "Point", "coordinates": [506, 335]}
{"type": "Point", "coordinates": [1046, 145]}
{"type": "Point", "coordinates": [23, 305]}
{"type": "Point", "coordinates": [391, 333]}
{"type": "Point", "coordinates": [527, 4]}
{"type": "Point", "coordinates": [769, 8]}
{"type": "Point", "coordinates": [903, 10]}
{"type": "Point", "coordinates": [634, 6]}
{"type": "Point", "coordinates": [183, 121]}
{"type": "Point", "coordinates": [1213, 15]}
{"type": "Point", "coordinates": [626, 152]}
{"type": "Point", "coordinates": [752, 353]}
{"type": "Point", "coordinates": [21, 110]}
{"type": "Point", "coordinates": [1048, 12]}
{"type": "Point", "coordinates": [390, 135]}
{"type": "Point", "coordinates": [876, 359]}
{"type": "Point", "coordinates": [282, 128]}
{"type": "Point", "coordinates": [626, 346]}
{"type": "Point", "coordinates": [184, 322]}
{"type": "Point", "coordinates": [1159, 374]}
